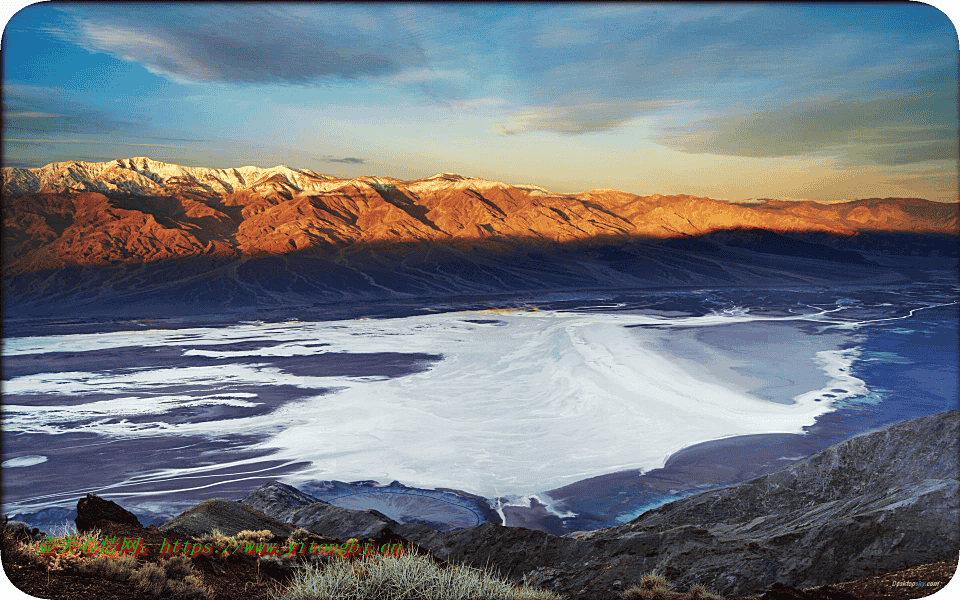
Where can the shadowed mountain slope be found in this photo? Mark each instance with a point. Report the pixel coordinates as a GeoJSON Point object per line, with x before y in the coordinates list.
{"type": "Point", "coordinates": [141, 234]}
{"type": "Point", "coordinates": [875, 503]}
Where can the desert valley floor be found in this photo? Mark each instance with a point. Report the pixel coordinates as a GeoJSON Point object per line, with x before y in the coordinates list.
{"type": "Point", "coordinates": [566, 412]}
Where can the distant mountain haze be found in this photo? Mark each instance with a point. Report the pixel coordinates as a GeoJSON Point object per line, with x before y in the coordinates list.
{"type": "Point", "coordinates": [139, 210]}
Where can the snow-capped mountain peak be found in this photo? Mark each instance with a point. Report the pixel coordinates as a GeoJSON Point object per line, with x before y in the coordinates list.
{"type": "Point", "coordinates": [142, 175]}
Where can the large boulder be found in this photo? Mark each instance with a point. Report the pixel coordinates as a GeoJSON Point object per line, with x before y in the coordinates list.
{"type": "Point", "coordinates": [93, 511]}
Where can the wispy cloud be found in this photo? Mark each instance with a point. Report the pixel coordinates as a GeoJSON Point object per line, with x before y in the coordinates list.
{"type": "Point", "coordinates": [252, 43]}
{"type": "Point", "coordinates": [762, 81]}
{"type": "Point", "coordinates": [39, 109]}
{"type": "Point", "coordinates": [68, 141]}
{"type": "Point", "coordinates": [351, 160]}
{"type": "Point", "coordinates": [897, 128]}
{"type": "Point", "coordinates": [580, 118]}
{"type": "Point", "coordinates": [31, 115]}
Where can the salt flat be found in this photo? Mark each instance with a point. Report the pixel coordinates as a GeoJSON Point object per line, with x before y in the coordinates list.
{"type": "Point", "coordinates": [501, 403]}
{"type": "Point", "coordinates": [520, 401]}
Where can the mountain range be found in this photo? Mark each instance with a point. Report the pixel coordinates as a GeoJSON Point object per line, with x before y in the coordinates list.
{"type": "Point", "coordinates": [249, 236]}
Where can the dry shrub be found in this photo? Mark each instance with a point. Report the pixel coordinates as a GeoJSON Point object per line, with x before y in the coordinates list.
{"type": "Point", "coordinates": [60, 562]}
{"type": "Point", "coordinates": [21, 549]}
{"type": "Point", "coordinates": [189, 587]}
{"type": "Point", "coordinates": [219, 539]}
{"type": "Point", "coordinates": [214, 536]}
{"type": "Point", "coordinates": [407, 577]}
{"type": "Point", "coordinates": [170, 578]}
{"type": "Point", "coordinates": [182, 580]}
{"type": "Point", "coordinates": [698, 592]}
{"type": "Point", "coordinates": [28, 549]}
{"type": "Point", "coordinates": [90, 539]}
{"type": "Point", "coordinates": [150, 578]}
{"type": "Point", "coordinates": [654, 586]}
{"type": "Point", "coordinates": [254, 536]}
{"type": "Point", "coordinates": [177, 566]}
{"type": "Point", "coordinates": [300, 534]}
{"type": "Point", "coordinates": [637, 593]}
{"type": "Point", "coordinates": [121, 568]}
{"type": "Point", "coordinates": [653, 581]}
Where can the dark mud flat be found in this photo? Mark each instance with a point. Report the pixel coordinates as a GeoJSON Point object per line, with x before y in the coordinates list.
{"type": "Point", "coordinates": [49, 466]}
{"type": "Point", "coordinates": [616, 498]}
{"type": "Point", "coordinates": [133, 358]}
{"type": "Point", "coordinates": [143, 474]}
{"type": "Point", "coordinates": [613, 499]}
{"type": "Point", "coordinates": [906, 378]}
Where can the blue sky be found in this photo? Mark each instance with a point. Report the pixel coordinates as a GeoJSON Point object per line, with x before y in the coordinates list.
{"type": "Point", "coordinates": [734, 101]}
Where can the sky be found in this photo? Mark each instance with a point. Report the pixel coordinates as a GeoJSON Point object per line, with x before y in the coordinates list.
{"type": "Point", "coordinates": [732, 100]}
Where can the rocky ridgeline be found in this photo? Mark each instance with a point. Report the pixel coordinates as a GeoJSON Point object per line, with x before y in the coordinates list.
{"type": "Point", "coordinates": [144, 238]}
{"type": "Point", "coordinates": [139, 210]}
{"type": "Point", "coordinates": [877, 503]}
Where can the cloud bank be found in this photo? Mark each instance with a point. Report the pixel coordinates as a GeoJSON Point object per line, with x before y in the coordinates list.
{"type": "Point", "coordinates": [248, 43]}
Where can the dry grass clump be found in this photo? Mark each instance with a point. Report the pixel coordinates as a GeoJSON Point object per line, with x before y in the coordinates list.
{"type": "Point", "coordinates": [217, 537]}
{"type": "Point", "coordinates": [21, 550]}
{"type": "Point", "coordinates": [410, 576]}
{"type": "Point", "coordinates": [29, 549]}
{"type": "Point", "coordinates": [654, 586]}
{"type": "Point", "coordinates": [224, 545]}
{"type": "Point", "coordinates": [150, 578]}
{"type": "Point", "coordinates": [300, 534]}
{"type": "Point", "coordinates": [189, 587]}
{"type": "Point", "coordinates": [171, 578]}
{"type": "Point", "coordinates": [698, 592]}
{"type": "Point", "coordinates": [121, 568]}
{"type": "Point", "coordinates": [254, 536]}
{"type": "Point", "coordinates": [177, 566]}
{"type": "Point", "coordinates": [219, 540]}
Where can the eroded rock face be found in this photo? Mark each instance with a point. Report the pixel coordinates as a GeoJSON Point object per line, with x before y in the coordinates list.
{"type": "Point", "coordinates": [290, 505]}
{"type": "Point", "coordinates": [152, 238]}
{"type": "Point", "coordinates": [872, 504]}
{"type": "Point", "coordinates": [227, 516]}
{"type": "Point", "coordinates": [131, 211]}
{"type": "Point", "coordinates": [92, 510]}
{"type": "Point", "coordinates": [784, 592]}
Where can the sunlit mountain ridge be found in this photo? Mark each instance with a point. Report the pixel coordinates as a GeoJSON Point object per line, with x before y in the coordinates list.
{"type": "Point", "coordinates": [139, 210]}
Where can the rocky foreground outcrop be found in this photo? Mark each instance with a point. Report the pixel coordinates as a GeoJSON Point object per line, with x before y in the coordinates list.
{"type": "Point", "coordinates": [227, 517]}
{"type": "Point", "coordinates": [289, 504]}
{"type": "Point", "coordinates": [92, 511]}
{"type": "Point", "coordinates": [879, 502]}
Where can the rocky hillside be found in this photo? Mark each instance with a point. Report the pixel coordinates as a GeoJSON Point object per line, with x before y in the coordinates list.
{"type": "Point", "coordinates": [139, 210]}
{"type": "Point", "coordinates": [879, 502]}
{"type": "Point", "coordinates": [151, 238]}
